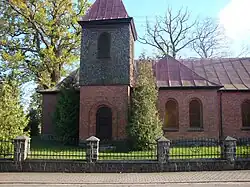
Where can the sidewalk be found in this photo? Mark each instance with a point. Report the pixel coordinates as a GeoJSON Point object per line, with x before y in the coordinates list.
{"type": "Point", "coordinates": [119, 179]}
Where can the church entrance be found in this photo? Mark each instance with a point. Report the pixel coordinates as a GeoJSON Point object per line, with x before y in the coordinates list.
{"type": "Point", "coordinates": [104, 123]}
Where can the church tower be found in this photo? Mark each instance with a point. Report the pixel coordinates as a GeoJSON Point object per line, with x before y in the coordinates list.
{"type": "Point", "coordinates": [106, 70]}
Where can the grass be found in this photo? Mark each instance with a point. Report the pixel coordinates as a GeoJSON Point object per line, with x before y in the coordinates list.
{"type": "Point", "coordinates": [54, 150]}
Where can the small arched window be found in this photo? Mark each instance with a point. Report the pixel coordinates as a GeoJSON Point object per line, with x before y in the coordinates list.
{"type": "Point", "coordinates": [245, 108]}
{"type": "Point", "coordinates": [104, 44]}
{"type": "Point", "coordinates": [171, 114]}
{"type": "Point", "coordinates": [195, 114]}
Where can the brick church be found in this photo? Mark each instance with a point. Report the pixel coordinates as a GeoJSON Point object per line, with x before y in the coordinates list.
{"type": "Point", "coordinates": [197, 98]}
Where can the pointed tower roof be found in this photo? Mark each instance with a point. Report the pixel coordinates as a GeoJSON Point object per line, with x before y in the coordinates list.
{"type": "Point", "coordinates": [107, 12]}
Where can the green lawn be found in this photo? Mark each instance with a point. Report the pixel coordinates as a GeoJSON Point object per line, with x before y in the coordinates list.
{"type": "Point", "coordinates": [41, 150]}
{"type": "Point", "coordinates": [73, 153]}
{"type": "Point", "coordinates": [53, 150]}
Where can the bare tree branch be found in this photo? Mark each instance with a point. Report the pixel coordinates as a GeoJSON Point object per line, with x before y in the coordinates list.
{"type": "Point", "coordinates": [211, 40]}
{"type": "Point", "coordinates": [170, 34]}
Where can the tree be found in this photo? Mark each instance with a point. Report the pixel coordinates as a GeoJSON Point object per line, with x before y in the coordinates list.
{"type": "Point", "coordinates": [170, 34]}
{"type": "Point", "coordinates": [66, 116]}
{"type": "Point", "coordinates": [12, 118]}
{"type": "Point", "coordinates": [35, 114]}
{"type": "Point", "coordinates": [145, 126]}
{"type": "Point", "coordinates": [211, 40]}
{"type": "Point", "coordinates": [40, 37]}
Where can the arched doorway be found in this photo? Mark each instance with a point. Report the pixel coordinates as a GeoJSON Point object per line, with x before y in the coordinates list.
{"type": "Point", "coordinates": [104, 123]}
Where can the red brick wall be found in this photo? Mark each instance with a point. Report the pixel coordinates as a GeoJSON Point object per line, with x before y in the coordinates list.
{"type": "Point", "coordinates": [231, 110]}
{"type": "Point", "coordinates": [92, 97]}
{"type": "Point", "coordinates": [48, 109]}
{"type": "Point", "coordinates": [210, 104]}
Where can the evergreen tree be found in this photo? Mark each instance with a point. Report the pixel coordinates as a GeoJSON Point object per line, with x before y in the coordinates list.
{"type": "Point", "coordinates": [12, 118]}
{"type": "Point", "coordinates": [35, 114]}
{"type": "Point", "coordinates": [145, 126]}
{"type": "Point", "coordinates": [66, 116]}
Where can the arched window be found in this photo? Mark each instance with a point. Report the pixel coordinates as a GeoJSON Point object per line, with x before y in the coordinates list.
{"type": "Point", "coordinates": [195, 114]}
{"type": "Point", "coordinates": [104, 44]}
{"type": "Point", "coordinates": [171, 114]}
{"type": "Point", "coordinates": [245, 108]}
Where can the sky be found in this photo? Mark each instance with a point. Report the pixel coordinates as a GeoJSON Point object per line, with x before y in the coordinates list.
{"type": "Point", "coordinates": [233, 15]}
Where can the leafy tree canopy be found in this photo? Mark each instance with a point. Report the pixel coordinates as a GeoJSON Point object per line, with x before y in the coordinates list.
{"type": "Point", "coordinates": [38, 38]}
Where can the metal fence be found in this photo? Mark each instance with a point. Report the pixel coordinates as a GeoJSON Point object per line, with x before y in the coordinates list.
{"type": "Point", "coordinates": [116, 153]}
{"type": "Point", "coordinates": [6, 149]}
{"type": "Point", "coordinates": [182, 149]}
{"type": "Point", "coordinates": [243, 148]}
{"type": "Point", "coordinates": [197, 148]}
{"type": "Point", "coordinates": [56, 149]}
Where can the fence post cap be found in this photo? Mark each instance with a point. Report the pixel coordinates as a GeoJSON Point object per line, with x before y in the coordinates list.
{"type": "Point", "coordinates": [163, 139]}
{"type": "Point", "coordinates": [22, 138]}
{"type": "Point", "coordinates": [229, 138]}
{"type": "Point", "coordinates": [93, 139]}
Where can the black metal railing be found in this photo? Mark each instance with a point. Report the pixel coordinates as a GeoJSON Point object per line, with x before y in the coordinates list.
{"type": "Point", "coordinates": [6, 149]}
{"type": "Point", "coordinates": [56, 149]}
{"type": "Point", "coordinates": [197, 148]}
{"type": "Point", "coordinates": [243, 148]}
{"type": "Point", "coordinates": [121, 151]}
{"type": "Point", "coordinates": [181, 149]}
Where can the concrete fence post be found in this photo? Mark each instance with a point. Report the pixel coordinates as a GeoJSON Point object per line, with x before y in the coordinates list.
{"type": "Point", "coordinates": [21, 148]}
{"type": "Point", "coordinates": [229, 149]}
{"type": "Point", "coordinates": [163, 150]}
{"type": "Point", "coordinates": [92, 149]}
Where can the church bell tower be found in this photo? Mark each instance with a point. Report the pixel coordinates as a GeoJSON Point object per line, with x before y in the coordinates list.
{"type": "Point", "coordinates": [106, 70]}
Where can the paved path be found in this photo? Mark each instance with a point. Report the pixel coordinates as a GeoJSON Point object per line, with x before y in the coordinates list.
{"type": "Point", "coordinates": [187, 179]}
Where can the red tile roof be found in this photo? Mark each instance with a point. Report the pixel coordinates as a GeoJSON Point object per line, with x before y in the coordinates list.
{"type": "Point", "coordinates": [171, 73]}
{"type": "Point", "coordinates": [106, 10]}
{"type": "Point", "coordinates": [232, 73]}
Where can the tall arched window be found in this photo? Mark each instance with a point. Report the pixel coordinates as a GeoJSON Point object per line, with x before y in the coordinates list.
{"type": "Point", "coordinates": [245, 108]}
{"type": "Point", "coordinates": [104, 44]}
{"type": "Point", "coordinates": [195, 114]}
{"type": "Point", "coordinates": [171, 114]}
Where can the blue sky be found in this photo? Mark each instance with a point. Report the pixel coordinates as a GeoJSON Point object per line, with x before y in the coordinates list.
{"type": "Point", "coordinates": [231, 14]}
{"type": "Point", "coordinates": [147, 8]}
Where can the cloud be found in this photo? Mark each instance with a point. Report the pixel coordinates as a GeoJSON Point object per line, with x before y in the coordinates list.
{"type": "Point", "coordinates": [234, 17]}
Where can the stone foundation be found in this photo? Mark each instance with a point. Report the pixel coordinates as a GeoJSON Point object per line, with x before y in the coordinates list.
{"type": "Point", "coordinates": [121, 166]}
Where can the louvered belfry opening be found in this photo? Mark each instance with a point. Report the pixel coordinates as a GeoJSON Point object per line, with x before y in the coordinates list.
{"type": "Point", "coordinates": [104, 45]}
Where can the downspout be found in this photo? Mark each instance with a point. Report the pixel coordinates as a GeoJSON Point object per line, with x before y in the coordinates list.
{"type": "Point", "coordinates": [221, 120]}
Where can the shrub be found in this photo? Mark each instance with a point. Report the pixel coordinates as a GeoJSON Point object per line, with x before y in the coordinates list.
{"type": "Point", "coordinates": [145, 126]}
{"type": "Point", "coordinates": [66, 116]}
